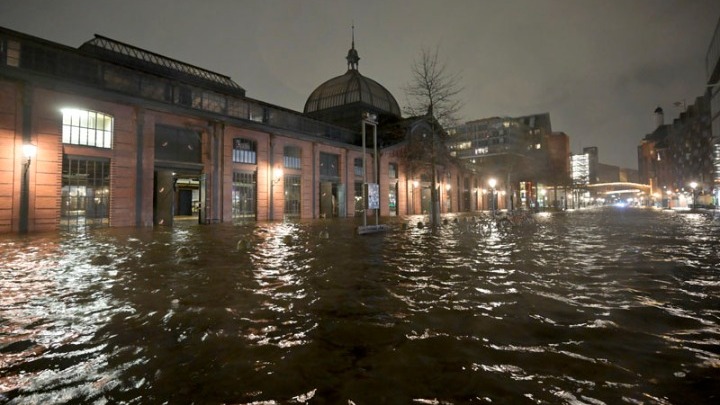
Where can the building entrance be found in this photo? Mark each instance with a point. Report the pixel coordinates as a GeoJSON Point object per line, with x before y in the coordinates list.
{"type": "Point", "coordinates": [178, 195]}
{"type": "Point", "coordinates": [332, 200]}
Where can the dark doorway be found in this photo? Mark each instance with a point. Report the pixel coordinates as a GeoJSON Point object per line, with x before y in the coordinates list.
{"type": "Point", "coordinates": [185, 202]}
{"type": "Point", "coordinates": [177, 196]}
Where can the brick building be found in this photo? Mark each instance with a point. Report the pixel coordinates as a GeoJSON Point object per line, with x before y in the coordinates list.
{"type": "Point", "coordinates": [116, 135]}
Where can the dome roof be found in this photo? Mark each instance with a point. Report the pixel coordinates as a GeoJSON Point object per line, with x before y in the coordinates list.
{"type": "Point", "coordinates": [351, 88]}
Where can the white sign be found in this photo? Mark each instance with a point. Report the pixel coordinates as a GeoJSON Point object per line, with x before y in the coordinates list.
{"type": "Point", "coordinates": [373, 196]}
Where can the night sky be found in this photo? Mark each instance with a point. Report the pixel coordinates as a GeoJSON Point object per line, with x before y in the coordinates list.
{"type": "Point", "coordinates": [600, 68]}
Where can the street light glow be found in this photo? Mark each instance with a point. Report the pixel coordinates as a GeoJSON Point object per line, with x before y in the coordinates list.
{"type": "Point", "coordinates": [29, 151]}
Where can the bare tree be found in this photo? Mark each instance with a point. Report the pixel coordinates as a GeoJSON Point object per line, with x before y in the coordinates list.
{"type": "Point", "coordinates": [433, 92]}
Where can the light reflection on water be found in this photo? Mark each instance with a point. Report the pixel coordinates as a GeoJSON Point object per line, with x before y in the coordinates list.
{"type": "Point", "coordinates": [591, 306]}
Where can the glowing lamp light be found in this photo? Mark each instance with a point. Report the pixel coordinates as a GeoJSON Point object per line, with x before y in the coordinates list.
{"type": "Point", "coordinates": [29, 151]}
{"type": "Point", "coordinates": [277, 174]}
{"type": "Point", "coordinates": [492, 183]}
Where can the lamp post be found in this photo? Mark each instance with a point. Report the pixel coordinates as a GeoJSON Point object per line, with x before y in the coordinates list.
{"type": "Point", "coordinates": [29, 151]}
{"type": "Point", "coordinates": [693, 185]}
{"type": "Point", "coordinates": [492, 183]}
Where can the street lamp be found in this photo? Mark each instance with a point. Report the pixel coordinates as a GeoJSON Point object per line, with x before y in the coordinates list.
{"type": "Point", "coordinates": [277, 174]}
{"type": "Point", "coordinates": [693, 185]}
{"type": "Point", "coordinates": [29, 150]}
{"type": "Point", "coordinates": [492, 183]}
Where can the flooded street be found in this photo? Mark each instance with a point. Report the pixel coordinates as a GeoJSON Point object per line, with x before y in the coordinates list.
{"type": "Point", "coordinates": [600, 306]}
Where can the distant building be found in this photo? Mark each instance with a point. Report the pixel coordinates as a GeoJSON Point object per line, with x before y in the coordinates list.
{"type": "Point", "coordinates": [608, 173]}
{"type": "Point", "coordinates": [593, 162]}
{"type": "Point", "coordinates": [557, 179]}
{"type": "Point", "coordinates": [654, 159]}
{"type": "Point", "coordinates": [580, 169]}
{"type": "Point", "coordinates": [629, 175]}
{"type": "Point", "coordinates": [612, 174]}
{"type": "Point", "coordinates": [675, 155]}
{"type": "Point", "coordinates": [690, 147]}
{"type": "Point", "coordinates": [521, 152]}
{"type": "Point", "coordinates": [712, 69]}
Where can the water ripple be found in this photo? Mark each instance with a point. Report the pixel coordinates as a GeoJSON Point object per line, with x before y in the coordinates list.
{"type": "Point", "coordinates": [588, 307]}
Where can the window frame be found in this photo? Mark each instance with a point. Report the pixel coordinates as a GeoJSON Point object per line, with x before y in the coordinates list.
{"type": "Point", "coordinates": [244, 155]}
{"type": "Point", "coordinates": [79, 126]}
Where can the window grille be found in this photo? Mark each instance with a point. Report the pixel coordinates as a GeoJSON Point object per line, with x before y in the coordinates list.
{"type": "Point", "coordinates": [85, 193]}
{"type": "Point", "coordinates": [292, 195]}
{"type": "Point", "coordinates": [244, 198]}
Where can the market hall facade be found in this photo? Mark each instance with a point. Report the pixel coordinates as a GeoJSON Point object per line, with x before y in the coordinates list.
{"type": "Point", "coordinates": [109, 134]}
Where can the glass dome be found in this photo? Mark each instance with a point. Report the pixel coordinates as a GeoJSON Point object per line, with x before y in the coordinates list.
{"type": "Point", "coordinates": [351, 88]}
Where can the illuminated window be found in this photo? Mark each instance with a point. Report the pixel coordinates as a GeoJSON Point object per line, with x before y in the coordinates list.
{"type": "Point", "coordinates": [87, 128]}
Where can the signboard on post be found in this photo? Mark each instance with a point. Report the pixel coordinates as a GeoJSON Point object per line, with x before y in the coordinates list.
{"type": "Point", "coordinates": [373, 196]}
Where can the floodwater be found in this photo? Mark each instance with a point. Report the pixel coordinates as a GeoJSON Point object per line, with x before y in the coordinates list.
{"type": "Point", "coordinates": [597, 306]}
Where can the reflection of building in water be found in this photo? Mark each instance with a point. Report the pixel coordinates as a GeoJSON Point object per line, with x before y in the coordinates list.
{"type": "Point", "coordinates": [127, 137]}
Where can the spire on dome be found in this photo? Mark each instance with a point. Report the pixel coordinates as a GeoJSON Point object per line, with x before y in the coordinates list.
{"type": "Point", "coordinates": [352, 57]}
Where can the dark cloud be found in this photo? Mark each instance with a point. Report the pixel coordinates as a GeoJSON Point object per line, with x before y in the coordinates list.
{"type": "Point", "coordinates": [599, 67]}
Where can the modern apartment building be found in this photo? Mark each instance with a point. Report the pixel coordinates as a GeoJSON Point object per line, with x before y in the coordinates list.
{"type": "Point", "coordinates": [522, 153]}
{"type": "Point", "coordinates": [676, 155]}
